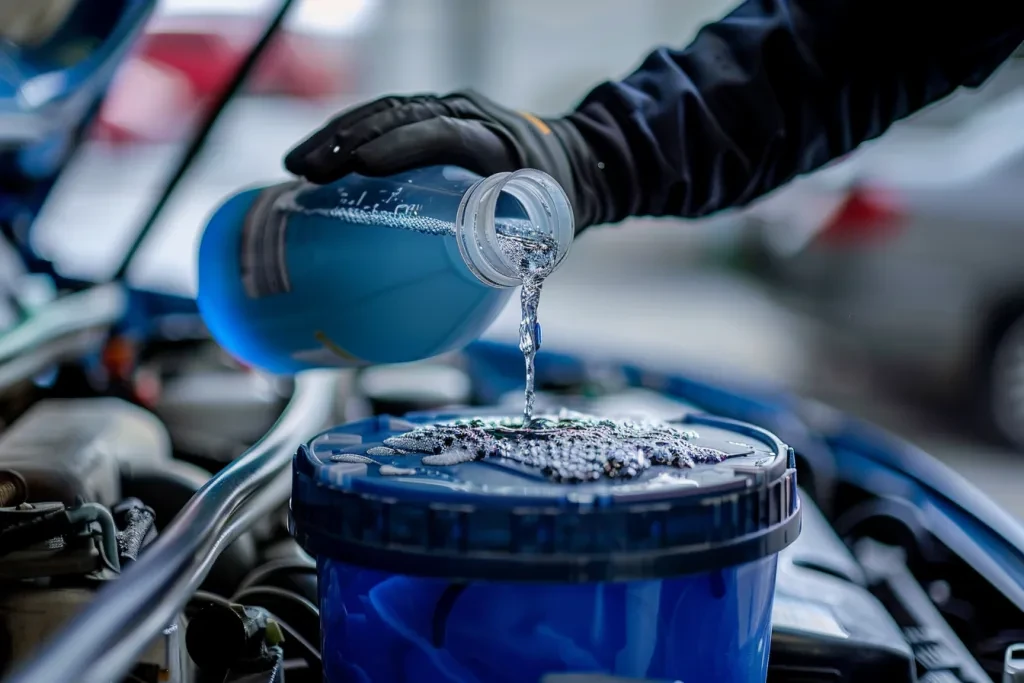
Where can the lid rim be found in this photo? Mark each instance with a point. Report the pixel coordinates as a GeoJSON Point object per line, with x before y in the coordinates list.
{"type": "Point", "coordinates": [561, 567]}
{"type": "Point", "coordinates": [627, 537]}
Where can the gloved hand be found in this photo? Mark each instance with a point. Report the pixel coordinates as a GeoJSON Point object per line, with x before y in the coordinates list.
{"type": "Point", "coordinates": [395, 134]}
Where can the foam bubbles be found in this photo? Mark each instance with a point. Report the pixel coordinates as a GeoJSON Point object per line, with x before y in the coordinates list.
{"type": "Point", "coordinates": [567, 448]}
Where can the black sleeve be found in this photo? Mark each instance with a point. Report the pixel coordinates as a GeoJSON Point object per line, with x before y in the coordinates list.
{"type": "Point", "coordinates": [778, 88]}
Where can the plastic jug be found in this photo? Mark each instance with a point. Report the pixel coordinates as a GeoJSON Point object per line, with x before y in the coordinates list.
{"type": "Point", "coordinates": [370, 270]}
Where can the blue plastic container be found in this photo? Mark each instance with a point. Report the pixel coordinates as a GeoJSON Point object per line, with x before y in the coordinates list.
{"type": "Point", "coordinates": [486, 572]}
{"type": "Point", "coordinates": [368, 270]}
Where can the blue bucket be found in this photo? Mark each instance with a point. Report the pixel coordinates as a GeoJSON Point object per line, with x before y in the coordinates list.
{"type": "Point", "coordinates": [485, 572]}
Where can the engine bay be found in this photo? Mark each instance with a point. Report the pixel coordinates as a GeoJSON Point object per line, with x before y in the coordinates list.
{"type": "Point", "coordinates": [873, 588]}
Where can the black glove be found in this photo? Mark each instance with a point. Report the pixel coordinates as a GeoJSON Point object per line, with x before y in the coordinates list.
{"type": "Point", "coordinates": [395, 134]}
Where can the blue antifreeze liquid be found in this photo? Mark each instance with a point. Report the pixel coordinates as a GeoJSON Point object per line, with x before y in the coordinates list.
{"type": "Point", "coordinates": [364, 271]}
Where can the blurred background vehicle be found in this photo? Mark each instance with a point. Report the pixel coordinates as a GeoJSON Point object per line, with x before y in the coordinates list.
{"type": "Point", "coordinates": [189, 53]}
{"type": "Point", "coordinates": [910, 251]}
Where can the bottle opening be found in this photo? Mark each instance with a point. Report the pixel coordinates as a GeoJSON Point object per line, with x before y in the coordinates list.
{"type": "Point", "coordinates": [514, 225]}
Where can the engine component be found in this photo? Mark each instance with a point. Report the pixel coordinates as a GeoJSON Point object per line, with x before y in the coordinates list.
{"type": "Point", "coordinates": [1013, 670]}
{"type": "Point", "coordinates": [217, 415]}
{"type": "Point", "coordinates": [408, 387]}
{"type": "Point", "coordinates": [298, 618]}
{"type": "Point", "coordinates": [48, 539]}
{"type": "Point", "coordinates": [939, 652]}
{"type": "Point", "coordinates": [826, 626]}
{"type": "Point", "coordinates": [104, 640]}
{"type": "Point", "coordinates": [818, 547]}
{"type": "Point", "coordinates": [33, 614]}
{"type": "Point", "coordinates": [66, 449]}
{"type": "Point", "coordinates": [222, 637]}
{"type": "Point", "coordinates": [13, 489]}
{"type": "Point", "coordinates": [52, 558]}
{"type": "Point", "coordinates": [30, 615]}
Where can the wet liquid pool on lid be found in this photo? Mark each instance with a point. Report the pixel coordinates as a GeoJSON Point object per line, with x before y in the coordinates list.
{"type": "Point", "coordinates": [567, 448]}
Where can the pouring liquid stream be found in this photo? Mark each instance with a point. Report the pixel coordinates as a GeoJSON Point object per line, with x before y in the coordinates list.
{"type": "Point", "coordinates": [529, 340]}
{"type": "Point", "coordinates": [534, 259]}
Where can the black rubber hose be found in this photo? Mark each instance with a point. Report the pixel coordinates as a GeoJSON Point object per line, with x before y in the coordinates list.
{"type": "Point", "coordinates": [294, 575]}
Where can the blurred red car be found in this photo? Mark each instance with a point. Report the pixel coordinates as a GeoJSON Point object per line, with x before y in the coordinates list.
{"type": "Point", "coordinates": [183, 62]}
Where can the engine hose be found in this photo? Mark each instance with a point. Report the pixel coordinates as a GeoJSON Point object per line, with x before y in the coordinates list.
{"type": "Point", "coordinates": [61, 522]}
{"type": "Point", "coordinates": [88, 513]}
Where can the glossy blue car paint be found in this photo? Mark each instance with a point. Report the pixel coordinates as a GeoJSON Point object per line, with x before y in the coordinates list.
{"type": "Point", "coordinates": [46, 101]}
{"type": "Point", "coordinates": [45, 97]}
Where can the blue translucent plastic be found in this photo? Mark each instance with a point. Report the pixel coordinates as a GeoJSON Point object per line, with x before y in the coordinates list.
{"type": "Point", "coordinates": [360, 292]}
{"type": "Point", "coordinates": [713, 627]}
{"type": "Point", "coordinates": [488, 571]}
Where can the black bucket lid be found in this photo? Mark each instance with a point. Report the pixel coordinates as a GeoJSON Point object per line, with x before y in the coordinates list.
{"type": "Point", "coordinates": [496, 520]}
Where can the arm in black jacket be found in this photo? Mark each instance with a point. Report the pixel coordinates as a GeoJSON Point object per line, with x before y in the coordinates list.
{"type": "Point", "coordinates": [774, 89]}
{"type": "Point", "coordinates": [779, 88]}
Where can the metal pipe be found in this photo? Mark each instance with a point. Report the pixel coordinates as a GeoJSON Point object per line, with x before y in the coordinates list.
{"type": "Point", "coordinates": [187, 547]}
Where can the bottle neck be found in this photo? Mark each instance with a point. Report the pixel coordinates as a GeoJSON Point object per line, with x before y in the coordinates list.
{"type": "Point", "coordinates": [548, 219]}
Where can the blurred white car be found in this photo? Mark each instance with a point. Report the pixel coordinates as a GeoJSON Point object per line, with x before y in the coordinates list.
{"type": "Point", "coordinates": [913, 250]}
